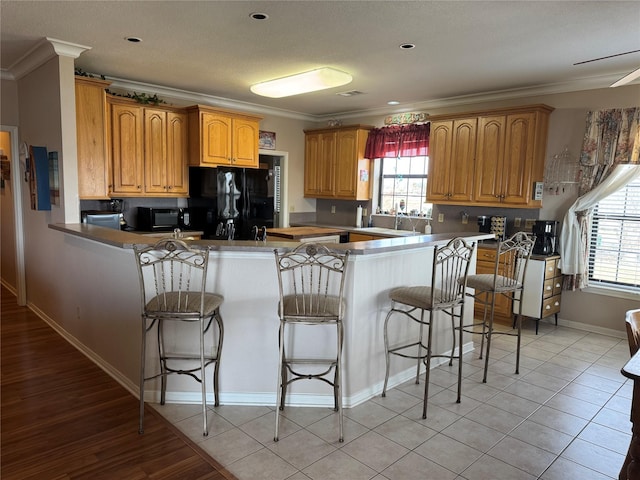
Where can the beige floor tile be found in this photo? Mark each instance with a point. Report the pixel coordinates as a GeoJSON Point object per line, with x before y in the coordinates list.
{"type": "Point", "coordinates": [530, 392]}
{"type": "Point", "coordinates": [417, 389]}
{"type": "Point", "coordinates": [192, 426]}
{"type": "Point", "coordinates": [524, 456]}
{"type": "Point", "coordinates": [543, 437]}
{"type": "Point", "coordinates": [558, 371]}
{"type": "Point", "coordinates": [574, 406]}
{"type": "Point", "coordinates": [238, 415]}
{"type": "Point", "coordinates": [558, 420]}
{"type": "Point", "coordinates": [328, 429]}
{"type": "Point", "coordinates": [563, 469]}
{"type": "Point", "coordinates": [397, 400]}
{"type": "Point", "coordinates": [174, 412]}
{"type": "Point", "coordinates": [262, 465]}
{"type": "Point", "coordinates": [305, 416]}
{"type": "Point", "coordinates": [613, 419]}
{"type": "Point", "coordinates": [609, 372]}
{"type": "Point", "coordinates": [447, 399]}
{"type": "Point", "coordinates": [606, 437]}
{"type": "Point", "coordinates": [301, 449]}
{"type": "Point", "coordinates": [449, 453]}
{"type": "Point", "coordinates": [375, 450]}
{"type": "Point", "coordinates": [415, 467]}
{"type": "Point", "coordinates": [231, 446]}
{"type": "Point", "coordinates": [405, 432]}
{"type": "Point", "coordinates": [263, 428]}
{"type": "Point", "coordinates": [370, 414]}
{"type": "Point", "coordinates": [594, 457]}
{"type": "Point", "coordinates": [495, 418]}
{"type": "Point", "coordinates": [545, 381]}
{"type": "Point", "coordinates": [490, 468]}
{"type": "Point", "coordinates": [569, 362]}
{"type": "Point", "coordinates": [600, 383]}
{"type": "Point", "coordinates": [588, 394]}
{"type": "Point", "coordinates": [438, 418]}
{"type": "Point", "coordinates": [338, 466]}
{"type": "Point", "coordinates": [514, 404]}
{"type": "Point", "coordinates": [481, 392]}
{"type": "Point", "coordinates": [474, 434]}
{"type": "Point", "coordinates": [619, 403]}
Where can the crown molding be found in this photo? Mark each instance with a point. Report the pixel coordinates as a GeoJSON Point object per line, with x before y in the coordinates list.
{"type": "Point", "coordinates": [43, 51]}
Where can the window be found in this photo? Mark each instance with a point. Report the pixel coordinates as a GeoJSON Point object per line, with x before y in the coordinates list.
{"type": "Point", "coordinates": [614, 252]}
{"type": "Point", "coordinates": [403, 182]}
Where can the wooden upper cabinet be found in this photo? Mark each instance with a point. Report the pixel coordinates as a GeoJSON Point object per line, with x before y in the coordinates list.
{"type": "Point", "coordinates": [335, 166]}
{"type": "Point", "coordinates": [221, 137]}
{"type": "Point", "coordinates": [127, 148]}
{"type": "Point", "coordinates": [165, 157]}
{"type": "Point", "coordinates": [94, 178]}
{"type": "Point", "coordinates": [452, 146]}
{"type": "Point", "coordinates": [500, 168]}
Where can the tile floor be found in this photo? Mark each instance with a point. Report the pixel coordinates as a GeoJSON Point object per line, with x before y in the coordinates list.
{"type": "Point", "coordinates": [565, 416]}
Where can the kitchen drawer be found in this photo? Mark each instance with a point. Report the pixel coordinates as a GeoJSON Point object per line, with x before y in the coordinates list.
{"type": "Point", "coordinates": [547, 290]}
{"type": "Point", "coordinates": [550, 306]}
{"type": "Point", "coordinates": [557, 285]}
{"type": "Point", "coordinates": [487, 255]}
{"type": "Point", "coordinates": [550, 268]}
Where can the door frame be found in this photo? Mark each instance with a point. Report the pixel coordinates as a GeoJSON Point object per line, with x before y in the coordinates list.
{"type": "Point", "coordinates": [16, 184]}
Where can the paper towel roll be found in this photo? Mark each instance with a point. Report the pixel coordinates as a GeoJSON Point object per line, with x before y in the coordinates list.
{"type": "Point", "coordinates": [359, 217]}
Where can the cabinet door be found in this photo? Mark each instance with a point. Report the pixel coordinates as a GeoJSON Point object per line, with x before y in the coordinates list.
{"type": "Point", "coordinates": [244, 152]}
{"type": "Point", "coordinates": [346, 164]}
{"type": "Point", "coordinates": [518, 159]}
{"type": "Point", "coordinates": [91, 125]}
{"type": "Point", "coordinates": [320, 154]}
{"type": "Point", "coordinates": [216, 139]}
{"type": "Point", "coordinates": [177, 169]}
{"type": "Point", "coordinates": [451, 161]}
{"type": "Point", "coordinates": [489, 160]}
{"type": "Point", "coordinates": [311, 157]}
{"type": "Point", "coordinates": [127, 149]}
{"type": "Point", "coordinates": [155, 151]}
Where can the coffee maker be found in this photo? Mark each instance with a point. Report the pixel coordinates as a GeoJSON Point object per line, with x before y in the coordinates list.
{"type": "Point", "coordinates": [546, 232]}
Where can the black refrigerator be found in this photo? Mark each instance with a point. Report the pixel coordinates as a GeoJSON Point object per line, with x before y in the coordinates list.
{"type": "Point", "coordinates": [229, 203]}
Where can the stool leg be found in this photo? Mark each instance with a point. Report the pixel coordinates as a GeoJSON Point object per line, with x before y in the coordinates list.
{"type": "Point", "coordinates": [216, 368]}
{"type": "Point", "coordinates": [143, 356]}
{"type": "Point", "coordinates": [163, 362]}
{"type": "Point", "coordinates": [386, 351]}
{"type": "Point", "coordinates": [486, 357]}
{"type": "Point", "coordinates": [484, 323]}
{"type": "Point", "coordinates": [420, 347]}
{"type": "Point", "coordinates": [338, 381]}
{"type": "Point", "coordinates": [460, 333]}
{"type": "Point", "coordinates": [519, 341]}
{"type": "Point", "coordinates": [279, 399]}
{"type": "Point", "coordinates": [203, 383]}
{"type": "Point", "coordinates": [427, 363]}
{"type": "Point", "coordinates": [453, 333]}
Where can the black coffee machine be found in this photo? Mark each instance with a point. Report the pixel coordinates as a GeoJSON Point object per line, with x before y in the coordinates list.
{"type": "Point", "coordinates": [546, 232]}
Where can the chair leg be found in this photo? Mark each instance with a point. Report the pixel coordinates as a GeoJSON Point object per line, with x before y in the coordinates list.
{"type": "Point", "coordinates": [460, 333]}
{"type": "Point", "coordinates": [338, 382]}
{"type": "Point", "coordinates": [420, 347]}
{"type": "Point", "coordinates": [484, 323]}
{"type": "Point", "coordinates": [163, 362]}
{"type": "Point", "coordinates": [386, 351]}
{"type": "Point", "coordinates": [203, 382]}
{"type": "Point", "coordinates": [280, 385]}
{"type": "Point", "coordinates": [216, 368]}
{"type": "Point", "coordinates": [427, 364]}
{"type": "Point", "coordinates": [143, 356]}
{"type": "Point", "coordinates": [490, 331]}
{"type": "Point", "coordinates": [453, 333]}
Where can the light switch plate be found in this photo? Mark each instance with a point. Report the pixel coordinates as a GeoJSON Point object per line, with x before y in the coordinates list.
{"type": "Point", "coordinates": [441, 217]}
{"type": "Point", "coordinates": [538, 189]}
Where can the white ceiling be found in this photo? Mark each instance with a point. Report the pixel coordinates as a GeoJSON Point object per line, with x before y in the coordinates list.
{"type": "Point", "coordinates": [467, 49]}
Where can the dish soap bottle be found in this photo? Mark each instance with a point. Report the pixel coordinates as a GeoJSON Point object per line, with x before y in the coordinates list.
{"type": "Point", "coordinates": [427, 228]}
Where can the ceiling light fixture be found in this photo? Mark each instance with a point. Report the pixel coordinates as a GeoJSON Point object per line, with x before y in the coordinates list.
{"type": "Point", "coordinates": [306, 82]}
{"type": "Point", "coordinates": [393, 102]}
{"type": "Point", "coordinates": [627, 78]}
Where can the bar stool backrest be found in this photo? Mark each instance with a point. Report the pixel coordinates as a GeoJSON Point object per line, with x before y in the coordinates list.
{"type": "Point", "coordinates": [512, 258]}
{"type": "Point", "coordinates": [449, 273]}
{"type": "Point", "coordinates": [311, 280]}
{"type": "Point", "coordinates": [172, 279]}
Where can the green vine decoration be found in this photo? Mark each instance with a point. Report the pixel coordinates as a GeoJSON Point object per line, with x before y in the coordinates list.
{"type": "Point", "coordinates": [141, 98]}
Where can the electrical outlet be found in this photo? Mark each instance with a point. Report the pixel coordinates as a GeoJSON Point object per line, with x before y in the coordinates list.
{"type": "Point", "coordinates": [364, 212]}
{"type": "Point", "coordinates": [465, 218]}
{"type": "Point", "coordinates": [528, 223]}
{"type": "Point", "coordinates": [517, 222]}
{"type": "Point", "coordinates": [441, 217]}
{"type": "Point", "coordinates": [333, 209]}
{"type": "Point", "coordinates": [292, 208]}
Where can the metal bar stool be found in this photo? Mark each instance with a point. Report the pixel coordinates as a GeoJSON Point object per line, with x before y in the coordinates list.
{"type": "Point", "coordinates": [172, 282]}
{"type": "Point", "coordinates": [446, 293]}
{"type": "Point", "coordinates": [512, 258]}
{"type": "Point", "coordinates": [311, 282]}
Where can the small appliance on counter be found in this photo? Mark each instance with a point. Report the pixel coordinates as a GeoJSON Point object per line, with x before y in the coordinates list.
{"type": "Point", "coordinates": [546, 233]}
{"type": "Point", "coordinates": [162, 219]}
{"type": "Point", "coordinates": [103, 218]}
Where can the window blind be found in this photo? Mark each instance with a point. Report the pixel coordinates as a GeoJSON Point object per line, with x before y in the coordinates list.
{"type": "Point", "coordinates": [614, 251]}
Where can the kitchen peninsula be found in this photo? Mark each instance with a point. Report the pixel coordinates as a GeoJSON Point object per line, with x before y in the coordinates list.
{"type": "Point", "coordinates": [104, 315]}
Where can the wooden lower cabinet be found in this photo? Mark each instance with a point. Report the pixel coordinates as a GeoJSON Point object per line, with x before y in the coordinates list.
{"type": "Point", "coordinates": [486, 264]}
{"type": "Point", "coordinates": [542, 289]}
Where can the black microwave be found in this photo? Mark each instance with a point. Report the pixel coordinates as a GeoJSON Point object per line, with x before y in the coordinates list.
{"type": "Point", "coordinates": [162, 219]}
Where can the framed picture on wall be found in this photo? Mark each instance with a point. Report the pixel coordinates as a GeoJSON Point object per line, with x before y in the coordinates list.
{"type": "Point", "coordinates": [267, 140]}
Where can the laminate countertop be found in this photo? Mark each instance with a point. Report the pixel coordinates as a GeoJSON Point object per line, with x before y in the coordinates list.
{"type": "Point", "coordinates": [296, 233]}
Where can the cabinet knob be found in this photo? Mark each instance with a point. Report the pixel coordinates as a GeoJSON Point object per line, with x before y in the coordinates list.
{"type": "Point", "coordinates": [548, 288]}
{"type": "Point", "coordinates": [548, 307]}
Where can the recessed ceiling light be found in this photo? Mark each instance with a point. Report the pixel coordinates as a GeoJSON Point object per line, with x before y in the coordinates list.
{"type": "Point", "coordinates": [393, 102]}
{"type": "Point", "coordinates": [133, 39]}
{"type": "Point", "coordinates": [407, 46]}
{"type": "Point", "coordinates": [259, 16]}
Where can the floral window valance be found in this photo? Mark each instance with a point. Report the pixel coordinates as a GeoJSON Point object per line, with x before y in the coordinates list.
{"type": "Point", "coordinates": [398, 141]}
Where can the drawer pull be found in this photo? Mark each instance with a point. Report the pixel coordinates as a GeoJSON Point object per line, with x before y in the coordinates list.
{"type": "Point", "coordinates": [548, 307]}
{"type": "Point", "coordinates": [549, 288]}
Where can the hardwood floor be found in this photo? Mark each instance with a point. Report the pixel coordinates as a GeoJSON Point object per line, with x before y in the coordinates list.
{"type": "Point", "coordinates": [64, 418]}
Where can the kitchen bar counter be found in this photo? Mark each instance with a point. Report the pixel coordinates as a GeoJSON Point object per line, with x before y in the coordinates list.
{"type": "Point", "coordinates": [98, 310]}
